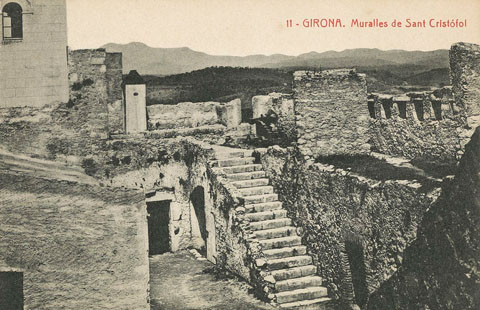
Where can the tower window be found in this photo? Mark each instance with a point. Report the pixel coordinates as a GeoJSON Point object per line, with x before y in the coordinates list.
{"type": "Point", "coordinates": [12, 22]}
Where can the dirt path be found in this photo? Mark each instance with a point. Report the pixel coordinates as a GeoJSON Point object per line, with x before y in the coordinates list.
{"type": "Point", "coordinates": [180, 282]}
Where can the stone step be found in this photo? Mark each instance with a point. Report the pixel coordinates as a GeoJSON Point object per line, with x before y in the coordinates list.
{"type": "Point", "coordinates": [260, 198]}
{"type": "Point", "coordinates": [234, 154]}
{"type": "Point", "coordinates": [276, 243]}
{"type": "Point", "coordinates": [270, 224]}
{"type": "Point", "coordinates": [312, 292]}
{"type": "Point", "coordinates": [262, 207]}
{"type": "Point", "coordinates": [251, 183]}
{"type": "Point", "coordinates": [293, 273]}
{"type": "Point", "coordinates": [246, 176]}
{"type": "Point", "coordinates": [267, 215]}
{"type": "Point", "coordinates": [289, 262]}
{"type": "Point", "coordinates": [285, 252]}
{"type": "Point", "coordinates": [297, 283]}
{"type": "Point", "coordinates": [229, 162]}
{"type": "Point", "coordinates": [241, 169]}
{"type": "Point", "coordinates": [280, 232]}
{"type": "Point", "coordinates": [310, 304]}
{"type": "Point", "coordinates": [254, 191]}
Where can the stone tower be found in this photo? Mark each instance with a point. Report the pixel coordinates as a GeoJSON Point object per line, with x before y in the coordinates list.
{"type": "Point", "coordinates": [33, 52]}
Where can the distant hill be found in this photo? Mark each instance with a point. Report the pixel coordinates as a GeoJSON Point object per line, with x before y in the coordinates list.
{"type": "Point", "coordinates": [167, 61]}
{"type": "Point", "coordinates": [217, 84]}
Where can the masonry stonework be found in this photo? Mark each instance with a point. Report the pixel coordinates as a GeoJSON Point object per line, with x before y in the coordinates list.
{"type": "Point", "coordinates": [465, 77]}
{"type": "Point", "coordinates": [330, 111]}
{"type": "Point", "coordinates": [79, 246]}
{"type": "Point", "coordinates": [95, 81]}
{"type": "Point", "coordinates": [34, 68]}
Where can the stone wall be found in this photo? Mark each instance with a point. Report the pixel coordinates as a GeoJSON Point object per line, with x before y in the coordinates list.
{"type": "Point", "coordinates": [465, 77]}
{"type": "Point", "coordinates": [330, 110]}
{"type": "Point", "coordinates": [95, 82]}
{"type": "Point", "coordinates": [440, 269]}
{"type": "Point", "coordinates": [34, 69]}
{"type": "Point", "coordinates": [194, 114]}
{"type": "Point", "coordinates": [281, 106]}
{"type": "Point", "coordinates": [114, 77]}
{"type": "Point", "coordinates": [336, 208]}
{"type": "Point", "coordinates": [79, 246]}
{"type": "Point", "coordinates": [417, 126]}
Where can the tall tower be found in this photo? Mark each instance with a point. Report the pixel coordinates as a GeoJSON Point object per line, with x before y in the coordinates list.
{"type": "Point", "coordinates": [33, 52]}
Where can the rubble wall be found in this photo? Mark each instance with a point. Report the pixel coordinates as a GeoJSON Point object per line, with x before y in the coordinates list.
{"type": "Point", "coordinates": [330, 111]}
{"type": "Point", "coordinates": [419, 126]}
{"type": "Point", "coordinates": [334, 207]}
{"type": "Point", "coordinates": [95, 91]}
{"type": "Point", "coordinates": [440, 269]}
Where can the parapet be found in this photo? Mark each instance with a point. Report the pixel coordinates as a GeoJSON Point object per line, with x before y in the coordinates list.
{"type": "Point", "coordinates": [417, 106]}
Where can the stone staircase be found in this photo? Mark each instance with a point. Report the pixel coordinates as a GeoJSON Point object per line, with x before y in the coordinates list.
{"type": "Point", "coordinates": [296, 285]}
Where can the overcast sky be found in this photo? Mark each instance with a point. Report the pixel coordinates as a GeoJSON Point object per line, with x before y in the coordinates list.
{"type": "Point", "coordinates": [245, 27]}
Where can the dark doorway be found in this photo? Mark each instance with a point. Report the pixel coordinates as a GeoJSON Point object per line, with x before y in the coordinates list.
{"type": "Point", "coordinates": [354, 249]}
{"type": "Point", "coordinates": [198, 201]}
{"type": "Point", "coordinates": [158, 228]}
{"type": "Point", "coordinates": [11, 290]}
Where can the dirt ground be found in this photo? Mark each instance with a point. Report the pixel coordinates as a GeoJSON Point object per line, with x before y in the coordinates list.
{"type": "Point", "coordinates": [181, 282]}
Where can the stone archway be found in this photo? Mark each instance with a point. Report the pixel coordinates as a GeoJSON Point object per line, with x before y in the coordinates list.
{"type": "Point", "coordinates": [198, 220]}
{"type": "Point", "coordinates": [202, 224]}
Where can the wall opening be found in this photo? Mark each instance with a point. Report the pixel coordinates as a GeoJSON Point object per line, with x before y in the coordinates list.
{"type": "Point", "coordinates": [11, 290]}
{"type": "Point", "coordinates": [387, 107]}
{"type": "Point", "coordinates": [12, 21]}
{"type": "Point", "coordinates": [419, 110]}
{"type": "Point", "coordinates": [199, 223]}
{"type": "Point", "coordinates": [437, 109]}
{"type": "Point", "coordinates": [354, 250]}
{"type": "Point", "coordinates": [158, 227]}
{"type": "Point", "coordinates": [371, 109]}
{"type": "Point", "coordinates": [402, 109]}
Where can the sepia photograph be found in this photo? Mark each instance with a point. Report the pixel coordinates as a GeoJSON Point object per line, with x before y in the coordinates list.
{"type": "Point", "coordinates": [240, 154]}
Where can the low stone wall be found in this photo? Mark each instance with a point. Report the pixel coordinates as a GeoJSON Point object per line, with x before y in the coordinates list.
{"type": "Point", "coordinates": [79, 246]}
{"type": "Point", "coordinates": [343, 215]}
{"type": "Point", "coordinates": [330, 110]}
{"type": "Point", "coordinates": [194, 114]}
{"type": "Point", "coordinates": [283, 130]}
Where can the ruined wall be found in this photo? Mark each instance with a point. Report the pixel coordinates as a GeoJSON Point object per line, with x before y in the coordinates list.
{"type": "Point", "coordinates": [114, 77]}
{"type": "Point", "coordinates": [465, 77]}
{"type": "Point", "coordinates": [417, 126]}
{"type": "Point", "coordinates": [194, 114]}
{"type": "Point", "coordinates": [440, 269]}
{"type": "Point", "coordinates": [330, 112]}
{"type": "Point", "coordinates": [79, 246]}
{"type": "Point", "coordinates": [336, 208]}
{"type": "Point", "coordinates": [34, 69]}
{"type": "Point", "coordinates": [283, 130]}
{"type": "Point", "coordinates": [95, 82]}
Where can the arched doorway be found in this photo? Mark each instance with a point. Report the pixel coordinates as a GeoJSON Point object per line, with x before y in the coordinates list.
{"type": "Point", "coordinates": [198, 219]}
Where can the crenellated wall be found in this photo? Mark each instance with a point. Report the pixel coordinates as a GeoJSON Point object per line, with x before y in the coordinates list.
{"type": "Point", "coordinates": [416, 125]}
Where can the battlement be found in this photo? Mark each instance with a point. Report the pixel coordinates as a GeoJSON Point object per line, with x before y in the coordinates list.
{"type": "Point", "coordinates": [436, 105]}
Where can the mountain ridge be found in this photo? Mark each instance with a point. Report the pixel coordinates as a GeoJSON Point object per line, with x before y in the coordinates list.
{"type": "Point", "coordinates": [167, 61]}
